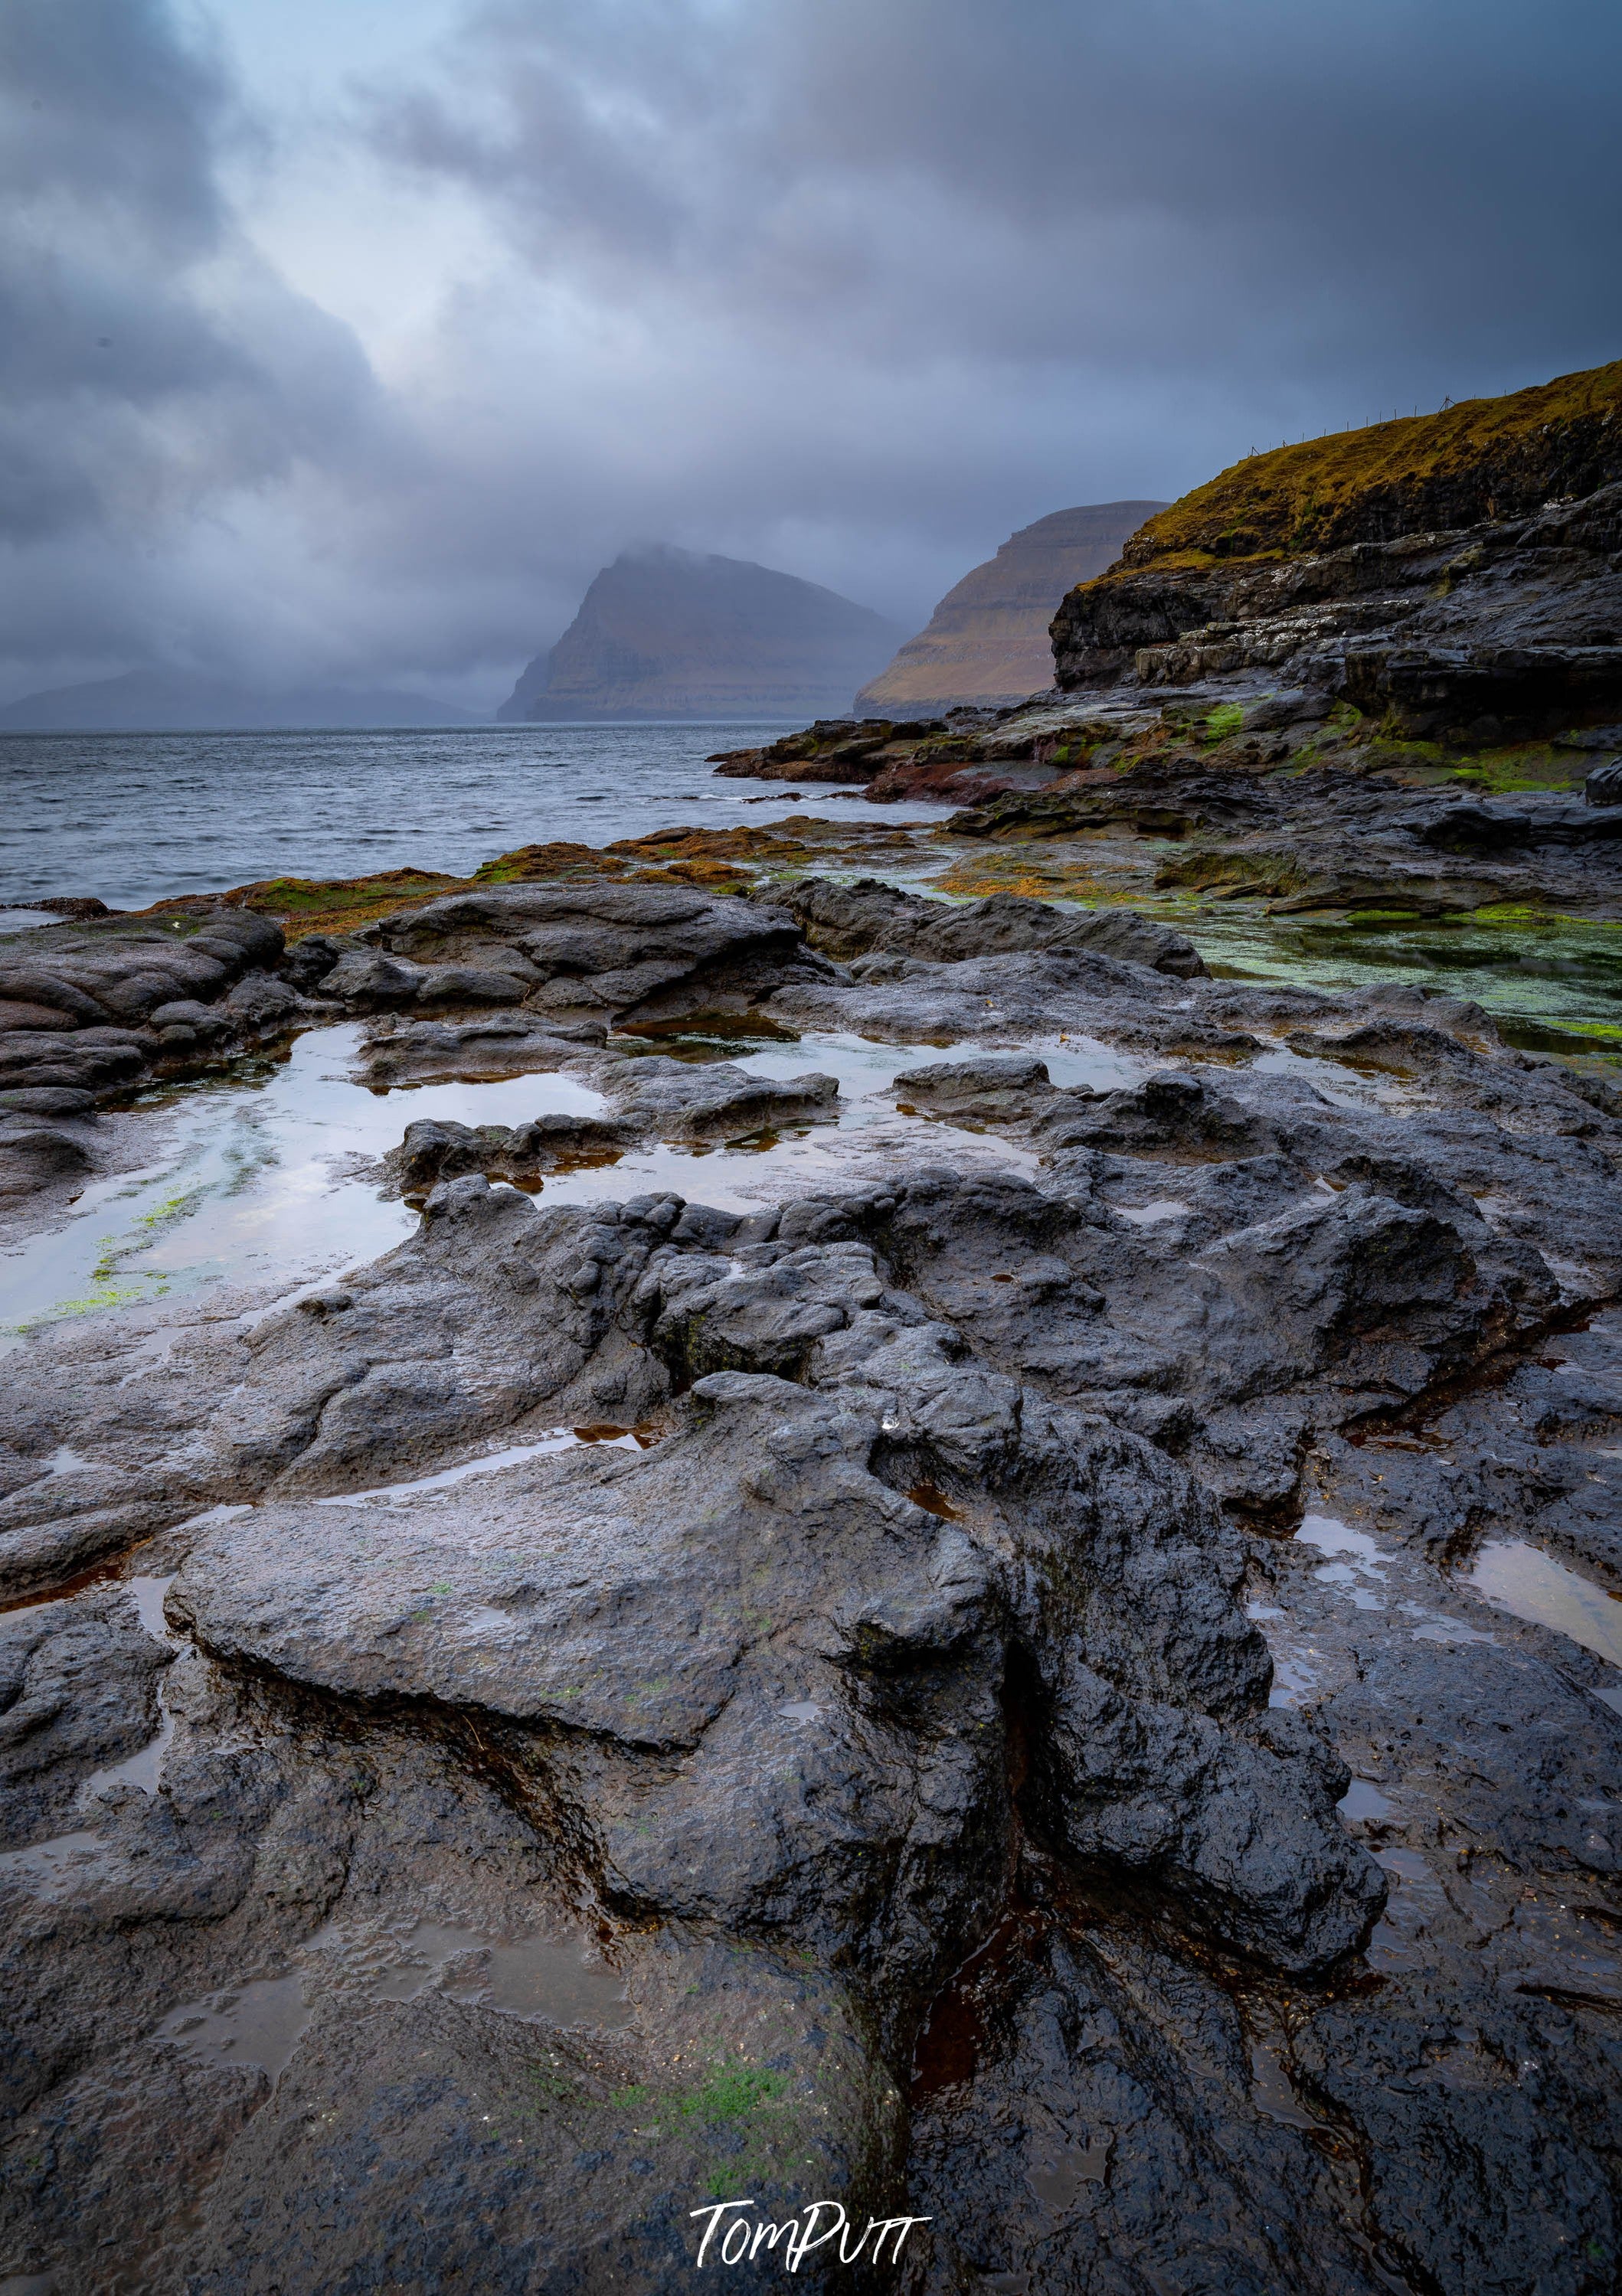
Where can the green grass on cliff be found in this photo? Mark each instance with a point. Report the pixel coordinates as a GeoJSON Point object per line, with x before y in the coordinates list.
{"type": "Point", "coordinates": [1389, 479]}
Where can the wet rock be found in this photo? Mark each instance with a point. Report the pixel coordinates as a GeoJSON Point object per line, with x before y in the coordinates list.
{"type": "Point", "coordinates": [884, 1619]}
{"type": "Point", "coordinates": [999, 997]}
{"type": "Point", "coordinates": [1602, 785]}
{"type": "Point", "coordinates": [363, 980]}
{"type": "Point", "coordinates": [1526, 1762]}
{"type": "Point", "coordinates": [32, 1155]}
{"type": "Point", "coordinates": [435, 1149]}
{"type": "Point", "coordinates": [1296, 706]}
{"type": "Point", "coordinates": [365, 1983]}
{"type": "Point", "coordinates": [77, 1688]}
{"type": "Point", "coordinates": [1083, 2103]}
{"type": "Point", "coordinates": [674, 1099]}
{"type": "Point", "coordinates": [1174, 1118]}
{"type": "Point", "coordinates": [49, 1100]}
{"type": "Point", "coordinates": [87, 1006]}
{"type": "Point", "coordinates": [309, 960]}
{"type": "Point", "coordinates": [1462, 828]}
{"type": "Point", "coordinates": [855, 920]}
{"type": "Point", "coordinates": [398, 1051]}
{"type": "Point", "coordinates": [1470, 2111]}
{"type": "Point", "coordinates": [1008, 1089]}
{"type": "Point", "coordinates": [471, 1328]}
{"type": "Point", "coordinates": [592, 952]}
{"type": "Point", "coordinates": [928, 1694]}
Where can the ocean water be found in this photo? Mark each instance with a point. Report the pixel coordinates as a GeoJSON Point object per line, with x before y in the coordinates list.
{"type": "Point", "coordinates": [134, 818]}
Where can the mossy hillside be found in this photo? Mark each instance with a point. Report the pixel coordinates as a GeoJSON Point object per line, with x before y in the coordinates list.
{"type": "Point", "coordinates": [1482, 459]}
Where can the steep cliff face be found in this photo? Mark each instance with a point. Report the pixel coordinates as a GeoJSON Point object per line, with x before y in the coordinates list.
{"type": "Point", "coordinates": [987, 641]}
{"type": "Point", "coordinates": [1458, 571]}
{"type": "Point", "coordinates": [669, 634]}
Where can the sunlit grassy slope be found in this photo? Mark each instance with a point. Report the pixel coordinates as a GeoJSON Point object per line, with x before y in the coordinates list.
{"type": "Point", "coordinates": [1484, 458]}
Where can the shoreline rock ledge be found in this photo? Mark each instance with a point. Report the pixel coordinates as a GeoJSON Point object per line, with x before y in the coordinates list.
{"type": "Point", "coordinates": [1007, 1695]}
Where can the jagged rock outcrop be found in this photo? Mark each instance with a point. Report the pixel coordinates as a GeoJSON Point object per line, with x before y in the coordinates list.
{"type": "Point", "coordinates": [869, 918]}
{"type": "Point", "coordinates": [627, 1705]}
{"type": "Point", "coordinates": [674, 633]}
{"type": "Point", "coordinates": [1457, 573]}
{"type": "Point", "coordinates": [986, 644]}
{"type": "Point", "coordinates": [91, 1008]}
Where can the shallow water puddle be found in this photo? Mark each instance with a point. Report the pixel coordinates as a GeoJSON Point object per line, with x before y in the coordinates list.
{"type": "Point", "coordinates": [1293, 1679]}
{"type": "Point", "coordinates": [1332, 1537]}
{"type": "Point", "coordinates": [556, 1439]}
{"type": "Point", "coordinates": [1541, 975]}
{"type": "Point", "coordinates": [61, 1865]}
{"type": "Point", "coordinates": [1271, 2090]}
{"type": "Point", "coordinates": [1166, 1208]}
{"type": "Point", "coordinates": [535, 1979]}
{"type": "Point", "coordinates": [256, 2024]}
{"type": "Point", "coordinates": [1060, 2169]}
{"type": "Point", "coordinates": [1523, 1580]}
{"type": "Point", "coordinates": [256, 1180]}
{"type": "Point", "coordinates": [143, 1768]}
{"type": "Point", "coordinates": [1362, 1801]}
{"type": "Point", "coordinates": [63, 1868]}
{"type": "Point", "coordinates": [871, 1140]}
{"type": "Point", "coordinates": [246, 1185]}
{"type": "Point", "coordinates": [1417, 1901]}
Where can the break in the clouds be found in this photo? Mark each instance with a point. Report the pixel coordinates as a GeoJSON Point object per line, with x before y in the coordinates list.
{"type": "Point", "coordinates": [349, 340]}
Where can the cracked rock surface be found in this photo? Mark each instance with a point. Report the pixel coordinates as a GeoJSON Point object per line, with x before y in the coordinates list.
{"type": "Point", "coordinates": [975, 1696]}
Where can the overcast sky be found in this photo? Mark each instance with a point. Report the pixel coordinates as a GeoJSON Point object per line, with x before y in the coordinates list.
{"type": "Point", "coordinates": [346, 339]}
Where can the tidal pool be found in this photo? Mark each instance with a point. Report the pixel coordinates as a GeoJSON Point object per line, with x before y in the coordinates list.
{"type": "Point", "coordinates": [1523, 1580]}
{"type": "Point", "coordinates": [267, 1177]}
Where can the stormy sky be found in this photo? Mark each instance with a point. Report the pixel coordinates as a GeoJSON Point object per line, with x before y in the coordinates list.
{"type": "Point", "coordinates": [344, 340]}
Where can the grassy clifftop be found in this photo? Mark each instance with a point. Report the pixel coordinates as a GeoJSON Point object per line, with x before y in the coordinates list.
{"type": "Point", "coordinates": [1485, 458]}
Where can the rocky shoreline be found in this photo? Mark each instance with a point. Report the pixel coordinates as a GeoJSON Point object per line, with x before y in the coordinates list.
{"type": "Point", "coordinates": [648, 1705]}
{"type": "Point", "coordinates": [1049, 1673]}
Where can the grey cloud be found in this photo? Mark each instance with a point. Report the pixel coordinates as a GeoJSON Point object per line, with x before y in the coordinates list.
{"type": "Point", "coordinates": [1403, 180]}
{"type": "Point", "coordinates": [151, 364]}
{"type": "Point", "coordinates": [850, 286]}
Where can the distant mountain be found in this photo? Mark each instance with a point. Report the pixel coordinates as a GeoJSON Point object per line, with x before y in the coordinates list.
{"type": "Point", "coordinates": [168, 700]}
{"type": "Point", "coordinates": [669, 634]}
{"type": "Point", "coordinates": [987, 640]}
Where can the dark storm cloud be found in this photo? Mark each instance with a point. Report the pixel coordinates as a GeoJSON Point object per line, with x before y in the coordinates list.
{"type": "Point", "coordinates": [1415, 188]}
{"type": "Point", "coordinates": [151, 364]}
{"type": "Point", "coordinates": [852, 286]}
{"type": "Point", "coordinates": [146, 358]}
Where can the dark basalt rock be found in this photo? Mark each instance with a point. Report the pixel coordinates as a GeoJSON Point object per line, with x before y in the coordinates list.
{"type": "Point", "coordinates": [826, 1703]}
{"type": "Point", "coordinates": [571, 953]}
{"type": "Point", "coordinates": [88, 1008]}
{"type": "Point", "coordinates": [436, 1149]}
{"type": "Point", "coordinates": [78, 1689]}
{"type": "Point", "coordinates": [849, 920]}
{"type": "Point", "coordinates": [653, 1098]}
{"type": "Point", "coordinates": [1472, 608]}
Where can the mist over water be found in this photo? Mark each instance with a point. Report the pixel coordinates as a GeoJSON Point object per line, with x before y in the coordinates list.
{"type": "Point", "coordinates": [134, 818]}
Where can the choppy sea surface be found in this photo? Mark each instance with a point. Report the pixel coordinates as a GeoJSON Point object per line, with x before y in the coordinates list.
{"type": "Point", "coordinates": [134, 818]}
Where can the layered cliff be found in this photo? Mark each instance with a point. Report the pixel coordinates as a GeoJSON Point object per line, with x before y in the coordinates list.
{"type": "Point", "coordinates": [668, 633]}
{"type": "Point", "coordinates": [986, 644]}
{"type": "Point", "coordinates": [1459, 572]}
